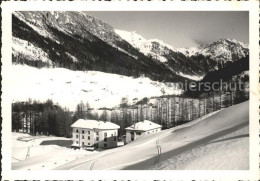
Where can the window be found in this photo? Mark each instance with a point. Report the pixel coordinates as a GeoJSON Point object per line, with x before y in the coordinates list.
{"type": "Point", "coordinates": [88, 137]}
{"type": "Point", "coordinates": [105, 135]}
{"type": "Point", "coordinates": [97, 139]}
{"type": "Point", "coordinates": [105, 139]}
{"type": "Point", "coordinates": [114, 138]}
{"type": "Point", "coordinates": [88, 143]}
{"type": "Point", "coordinates": [82, 136]}
{"type": "Point", "coordinates": [83, 132]}
{"type": "Point", "coordinates": [77, 142]}
{"type": "Point", "coordinates": [88, 132]}
{"type": "Point", "coordinates": [82, 143]}
{"type": "Point", "coordinates": [77, 130]}
{"type": "Point", "coordinates": [77, 136]}
{"type": "Point", "coordinates": [138, 133]}
{"type": "Point", "coordinates": [105, 145]}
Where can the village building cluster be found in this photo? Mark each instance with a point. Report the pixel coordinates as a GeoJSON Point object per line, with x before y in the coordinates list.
{"type": "Point", "coordinates": [92, 134]}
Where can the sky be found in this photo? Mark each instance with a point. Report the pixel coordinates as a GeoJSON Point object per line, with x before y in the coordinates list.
{"type": "Point", "coordinates": [181, 28]}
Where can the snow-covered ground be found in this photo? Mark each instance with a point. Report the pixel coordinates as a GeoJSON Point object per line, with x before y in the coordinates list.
{"type": "Point", "coordinates": [45, 152]}
{"type": "Point", "coordinates": [219, 141]}
{"type": "Point", "coordinates": [29, 51]}
{"type": "Point", "coordinates": [192, 77]}
{"type": "Point", "coordinates": [68, 88]}
{"type": "Point", "coordinates": [223, 153]}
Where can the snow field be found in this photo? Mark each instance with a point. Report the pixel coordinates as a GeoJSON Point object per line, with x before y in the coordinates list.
{"type": "Point", "coordinates": [68, 88]}
{"type": "Point", "coordinates": [216, 141]}
{"type": "Point", "coordinates": [223, 153]}
{"type": "Point", "coordinates": [42, 156]}
{"type": "Point", "coordinates": [142, 153]}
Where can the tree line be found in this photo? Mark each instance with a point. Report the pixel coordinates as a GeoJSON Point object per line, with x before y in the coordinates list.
{"type": "Point", "coordinates": [41, 118]}
{"type": "Point", "coordinates": [47, 118]}
{"type": "Point", "coordinates": [171, 111]}
{"type": "Point", "coordinates": [168, 111]}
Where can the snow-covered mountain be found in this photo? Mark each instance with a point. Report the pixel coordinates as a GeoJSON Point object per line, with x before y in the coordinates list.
{"type": "Point", "coordinates": [208, 55]}
{"type": "Point", "coordinates": [221, 50]}
{"type": "Point", "coordinates": [155, 48]}
{"type": "Point", "coordinates": [77, 41]}
{"type": "Point", "coordinates": [69, 22]}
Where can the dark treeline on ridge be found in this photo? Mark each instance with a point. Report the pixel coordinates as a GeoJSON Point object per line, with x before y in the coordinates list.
{"type": "Point", "coordinates": [227, 72]}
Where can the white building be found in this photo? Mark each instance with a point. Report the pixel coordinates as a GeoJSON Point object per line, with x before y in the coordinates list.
{"type": "Point", "coordinates": [94, 134]}
{"type": "Point", "coordinates": [141, 128]}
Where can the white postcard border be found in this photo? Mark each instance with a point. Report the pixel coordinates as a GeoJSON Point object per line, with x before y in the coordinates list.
{"type": "Point", "coordinates": [9, 7]}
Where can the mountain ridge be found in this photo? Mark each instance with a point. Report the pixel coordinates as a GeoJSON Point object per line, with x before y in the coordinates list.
{"type": "Point", "coordinates": [133, 37]}
{"type": "Point", "coordinates": [78, 41]}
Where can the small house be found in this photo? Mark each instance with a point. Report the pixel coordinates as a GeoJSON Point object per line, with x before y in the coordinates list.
{"type": "Point", "coordinates": [91, 134]}
{"type": "Point", "coordinates": [141, 128]}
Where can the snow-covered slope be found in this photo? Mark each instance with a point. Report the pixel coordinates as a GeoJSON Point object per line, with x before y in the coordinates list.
{"type": "Point", "coordinates": [45, 152]}
{"type": "Point", "coordinates": [155, 48]}
{"type": "Point", "coordinates": [68, 87]}
{"type": "Point", "coordinates": [210, 136]}
{"type": "Point", "coordinates": [223, 153]}
{"type": "Point", "coordinates": [68, 22]}
{"type": "Point", "coordinates": [186, 62]}
{"type": "Point", "coordinates": [221, 50]}
{"type": "Point", "coordinates": [28, 51]}
{"type": "Point", "coordinates": [76, 41]}
{"type": "Point", "coordinates": [216, 141]}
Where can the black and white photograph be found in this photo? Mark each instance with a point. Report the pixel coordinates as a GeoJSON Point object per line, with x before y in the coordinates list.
{"type": "Point", "coordinates": [130, 90]}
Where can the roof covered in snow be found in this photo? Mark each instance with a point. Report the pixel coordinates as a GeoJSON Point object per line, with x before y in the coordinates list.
{"type": "Point", "coordinates": [94, 124]}
{"type": "Point", "coordinates": [144, 126]}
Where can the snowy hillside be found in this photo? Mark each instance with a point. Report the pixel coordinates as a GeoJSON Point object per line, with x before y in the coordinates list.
{"type": "Point", "coordinates": [41, 151]}
{"type": "Point", "coordinates": [68, 87]}
{"type": "Point", "coordinates": [219, 140]}
{"type": "Point", "coordinates": [28, 51]}
{"type": "Point", "coordinates": [189, 145]}
{"type": "Point", "coordinates": [155, 48]}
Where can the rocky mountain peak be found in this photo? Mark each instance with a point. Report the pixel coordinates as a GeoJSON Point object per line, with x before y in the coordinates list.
{"type": "Point", "coordinates": [225, 50]}
{"type": "Point", "coordinates": [71, 23]}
